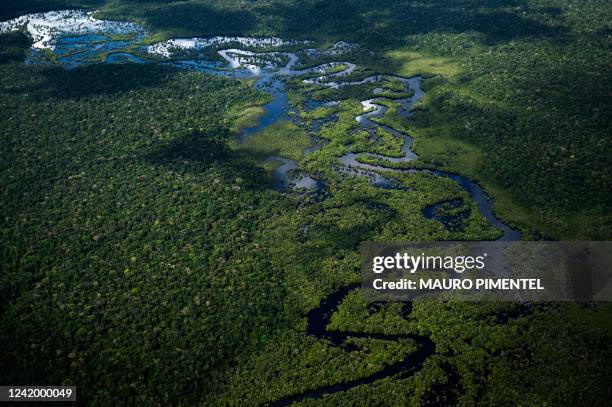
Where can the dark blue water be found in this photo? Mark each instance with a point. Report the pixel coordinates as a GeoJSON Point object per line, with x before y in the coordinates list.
{"type": "Point", "coordinates": [452, 221]}
{"type": "Point", "coordinates": [275, 110]}
{"type": "Point", "coordinates": [476, 192]}
{"type": "Point", "coordinates": [75, 50]}
{"type": "Point", "coordinates": [485, 205]}
{"type": "Point", "coordinates": [318, 320]}
{"type": "Point", "coordinates": [72, 50]}
{"type": "Point", "coordinates": [122, 57]}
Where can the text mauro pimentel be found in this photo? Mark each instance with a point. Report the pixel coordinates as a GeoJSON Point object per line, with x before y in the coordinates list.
{"type": "Point", "coordinates": [404, 263]}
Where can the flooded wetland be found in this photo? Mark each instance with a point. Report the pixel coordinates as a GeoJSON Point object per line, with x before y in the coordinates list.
{"type": "Point", "coordinates": [195, 207]}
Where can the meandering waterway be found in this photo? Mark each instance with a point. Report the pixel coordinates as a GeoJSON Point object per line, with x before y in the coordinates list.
{"type": "Point", "coordinates": [76, 37]}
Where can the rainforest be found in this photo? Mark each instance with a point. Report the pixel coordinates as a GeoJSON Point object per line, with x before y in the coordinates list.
{"type": "Point", "coordinates": [186, 186]}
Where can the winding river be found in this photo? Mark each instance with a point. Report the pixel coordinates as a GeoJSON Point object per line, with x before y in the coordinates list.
{"type": "Point", "coordinates": [319, 318]}
{"type": "Point", "coordinates": [75, 38]}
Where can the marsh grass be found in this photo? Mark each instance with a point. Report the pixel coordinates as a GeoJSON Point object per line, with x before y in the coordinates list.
{"type": "Point", "coordinates": [283, 139]}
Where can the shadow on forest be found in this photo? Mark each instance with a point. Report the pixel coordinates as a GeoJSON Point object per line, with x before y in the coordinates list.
{"type": "Point", "coordinates": [90, 80]}
{"type": "Point", "coordinates": [368, 218]}
{"type": "Point", "coordinates": [194, 147]}
{"type": "Point", "coordinates": [198, 152]}
{"type": "Point", "coordinates": [363, 21]}
{"type": "Point", "coordinates": [187, 17]}
{"type": "Point", "coordinates": [10, 9]}
{"type": "Point", "coordinates": [389, 22]}
{"type": "Point", "coordinates": [13, 47]}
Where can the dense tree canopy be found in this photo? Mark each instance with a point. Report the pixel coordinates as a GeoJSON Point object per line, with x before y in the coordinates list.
{"type": "Point", "coordinates": [146, 259]}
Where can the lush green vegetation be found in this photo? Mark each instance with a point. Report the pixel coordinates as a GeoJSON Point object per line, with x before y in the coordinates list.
{"type": "Point", "coordinates": [281, 139]}
{"type": "Point", "coordinates": [526, 82]}
{"type": "Point", "coordinates": [145, 258]}
{"type": "Point", "coordinates": [385, 143]}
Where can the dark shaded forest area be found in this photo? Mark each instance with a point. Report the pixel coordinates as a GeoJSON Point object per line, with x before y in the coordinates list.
{"type": "Point", "coordinates": [146, 259]}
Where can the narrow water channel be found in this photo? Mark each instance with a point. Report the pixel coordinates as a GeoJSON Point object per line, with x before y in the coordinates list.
{"type": "Point", "coordinates": [76, 38]}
